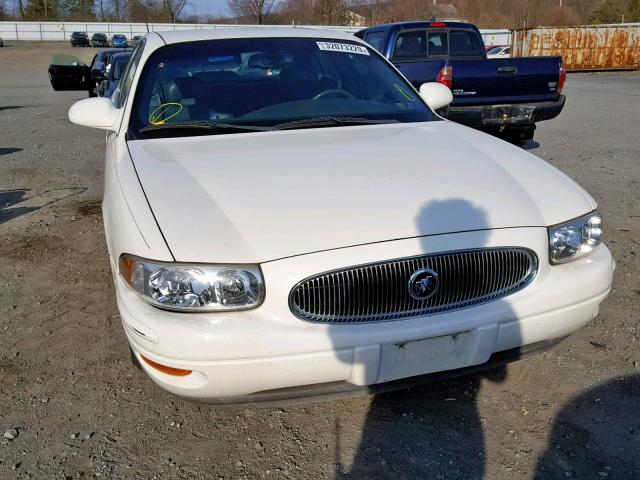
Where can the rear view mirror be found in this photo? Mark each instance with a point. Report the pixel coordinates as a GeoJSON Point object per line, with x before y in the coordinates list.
{"type": "Point", "coordinates": [96, 112]}
{"type": "Point", "coordinates": [436, 95]}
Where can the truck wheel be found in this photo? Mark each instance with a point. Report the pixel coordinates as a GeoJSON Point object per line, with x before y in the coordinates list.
{"type": "Point", "coordinates": [517, 141]}
{"type": "Point", "coordinates": [518, 135]}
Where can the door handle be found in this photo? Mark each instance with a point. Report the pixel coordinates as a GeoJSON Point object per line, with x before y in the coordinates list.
{"type": "Point", "coordinates": [508, 69]}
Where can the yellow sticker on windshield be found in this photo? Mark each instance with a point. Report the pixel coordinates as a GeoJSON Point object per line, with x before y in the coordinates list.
{"type": "Point", "coordinates": [165, 112]}
{"type": "Point", "coordinates": [404, 93]}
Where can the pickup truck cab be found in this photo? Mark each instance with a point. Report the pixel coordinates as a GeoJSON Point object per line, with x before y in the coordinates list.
{"type": "Point", "coordinates": [505, 96]}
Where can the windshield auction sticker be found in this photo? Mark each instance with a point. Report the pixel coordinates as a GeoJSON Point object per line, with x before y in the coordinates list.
{"type": "Point", "coordinates": [342, 47]}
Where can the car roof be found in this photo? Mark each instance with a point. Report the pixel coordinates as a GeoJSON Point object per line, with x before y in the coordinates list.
{"type": "Point", "coordinates": [420, 24]}
{"type": "Point", "coordinates": [111, 51]}
{"type": "Point", "coordinates": [179, 36]}
{"type": "Point", "coordinates": [120, 54]}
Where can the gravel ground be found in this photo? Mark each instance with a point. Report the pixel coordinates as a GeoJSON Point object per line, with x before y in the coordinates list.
{"type": "Point", "coordinates": [72, 405]}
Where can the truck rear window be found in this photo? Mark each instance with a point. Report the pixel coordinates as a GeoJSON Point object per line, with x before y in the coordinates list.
{"type": "Point", "coordinates": [463, 43]}
{"type": "Point", "coordinates": [412, 44]}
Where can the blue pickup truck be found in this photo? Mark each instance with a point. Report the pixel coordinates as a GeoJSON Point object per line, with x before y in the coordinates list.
{"type": "Point", "coordinates": [504, 96]}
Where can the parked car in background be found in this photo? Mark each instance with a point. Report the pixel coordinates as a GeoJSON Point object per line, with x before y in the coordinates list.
{"type": "Point", "coordinates": [396, 245]}
{"type": "Point", "coordinates": [499, 52]}
{"type": "Point", "coordinates": [117, 64]}
{"type": "Point", "coordinates": [503, 96]}
{"type": "Point", "coordinates": [80, 39]}
{"type": "Point", "coordinates": [100, 64]}
{"type": "Point", "coordinates": [119, 41]}
{"type": "Point", "coordinates": [67, 72]}
{"type": "Point", "coordinates": [99, 40]}
{"type": "Point", "coordinates": [136, 40]}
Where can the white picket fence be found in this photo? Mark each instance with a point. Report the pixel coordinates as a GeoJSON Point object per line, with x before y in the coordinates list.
{"type": "Point", "coordinates": [61, 31]}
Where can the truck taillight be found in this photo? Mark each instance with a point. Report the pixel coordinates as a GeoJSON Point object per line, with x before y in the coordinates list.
{"type": "Point", "coordinates": [562, 78]}
{"type": "Point", "coordinates": [445, 76]}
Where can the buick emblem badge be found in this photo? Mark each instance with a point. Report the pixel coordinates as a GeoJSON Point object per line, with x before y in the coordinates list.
{"type": "Point", "coordinates": [423, 284]}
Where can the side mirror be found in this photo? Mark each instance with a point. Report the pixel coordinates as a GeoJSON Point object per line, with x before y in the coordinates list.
{"type": "Point", "coordinates": [436, 95]}
{"type": "Point", "coordinates": [96, 112]}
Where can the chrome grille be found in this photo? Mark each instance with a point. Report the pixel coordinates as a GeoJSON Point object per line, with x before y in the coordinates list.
{"type": "Point", "coordinates": [380, 291]}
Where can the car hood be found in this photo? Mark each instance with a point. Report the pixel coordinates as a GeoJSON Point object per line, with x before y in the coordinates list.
{"type": "Point", "coordinates": [255, 197]}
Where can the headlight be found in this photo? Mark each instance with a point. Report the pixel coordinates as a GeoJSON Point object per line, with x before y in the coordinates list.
{"type": "Point", "coordinates": [200, 288]}
{"type": "Point", "coordinates": [574, 238]}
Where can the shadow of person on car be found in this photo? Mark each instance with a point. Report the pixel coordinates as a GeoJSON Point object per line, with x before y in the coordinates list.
{"type": "Point", "coordinates": [596, 435]}
{"type": "Point", "coordinates": [433, 431]}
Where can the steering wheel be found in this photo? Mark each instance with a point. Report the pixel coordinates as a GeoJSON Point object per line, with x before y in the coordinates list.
{"type": "Point", "coordinates": [338, 91]}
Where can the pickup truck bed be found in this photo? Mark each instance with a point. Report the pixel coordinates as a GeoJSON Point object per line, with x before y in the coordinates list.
{"type": "Point", "coordinates": [505, 96]}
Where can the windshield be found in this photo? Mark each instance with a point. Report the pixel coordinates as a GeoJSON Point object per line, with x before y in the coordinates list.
{"type": "Point", "coordinates": [494, 51]}
{"type": "Point", "coordinates": [267, 82]}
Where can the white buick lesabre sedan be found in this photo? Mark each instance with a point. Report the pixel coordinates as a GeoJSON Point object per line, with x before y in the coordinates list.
{"type": "Point", "coordinates": [286, 216]}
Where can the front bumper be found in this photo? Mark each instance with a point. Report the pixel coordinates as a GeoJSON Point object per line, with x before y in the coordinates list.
{"type": "Point", "coordinates": [496, 116]}
{"type": "Point", "coordinates": [257, 354]}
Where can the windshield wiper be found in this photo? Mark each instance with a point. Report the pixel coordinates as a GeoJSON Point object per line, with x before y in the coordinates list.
{"type": "Point", "coordinates": [205, 125]}
{"type": "Point", "coordinates": [319, 122]}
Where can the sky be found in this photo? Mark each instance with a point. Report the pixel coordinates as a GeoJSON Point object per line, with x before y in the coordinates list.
{"type": "Point", "coordinates": [207, 7]}
{"type": "Point", "coordinates": [194, 7]}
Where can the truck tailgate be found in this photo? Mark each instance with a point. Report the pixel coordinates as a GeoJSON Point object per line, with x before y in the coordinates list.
{"type": "Point", "coordinates": [505, 80]}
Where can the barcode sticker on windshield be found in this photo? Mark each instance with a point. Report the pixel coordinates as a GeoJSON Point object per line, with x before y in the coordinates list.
{"type": "Point", "coordinates": [343, 47]}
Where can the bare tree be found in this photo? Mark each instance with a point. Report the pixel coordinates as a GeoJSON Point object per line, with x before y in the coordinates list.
{"type": "Point", "coordinates": [256, 9]}
{"type": "Point", "coordinates": [173, 8]}
{"type": "Point", "coordinates": [21, 9]}
{"type": "Point", "coordinates": [118, 9]}
{"type": "Point", "coordinates": [42, 9]}
{"type": "Point", "coordinates": [296, 11]}
{"type": "Point", "coordinates": [101, 12]}
{"type": "Point", "coordinates": [330, 12]}
{"type": "Point", "coordinates": [145, 11]}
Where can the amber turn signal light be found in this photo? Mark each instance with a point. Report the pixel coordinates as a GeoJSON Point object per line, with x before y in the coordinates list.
{"type": "Point", "coordinates": [178, 372]}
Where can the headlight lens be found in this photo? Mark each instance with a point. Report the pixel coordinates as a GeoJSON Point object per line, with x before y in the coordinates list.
{"type": "Point", "coordinates": [575, 238]}
{"type": "Point", "coordinates": [199, 288]}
